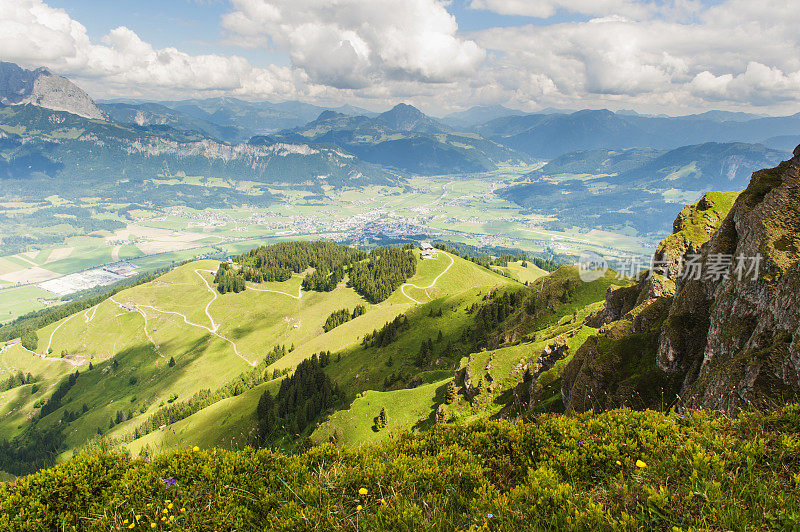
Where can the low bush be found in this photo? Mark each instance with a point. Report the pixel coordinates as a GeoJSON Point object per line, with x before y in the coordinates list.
{"type": "Point", "coordinates": [617, 470]}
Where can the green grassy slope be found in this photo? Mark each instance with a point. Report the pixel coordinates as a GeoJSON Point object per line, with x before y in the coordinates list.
{"type": "Point", "coordinates": [523, 274]}
{"type": "Point", "coordinates": [213, 338]}
{"type": "Point", "coordinates": [406, 409]}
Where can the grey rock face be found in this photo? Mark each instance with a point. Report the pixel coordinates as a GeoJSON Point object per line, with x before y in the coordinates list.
{"type": "Point", "coordinates": [42, 88]}
{"type": "Point", "coordinates": [738, 340]}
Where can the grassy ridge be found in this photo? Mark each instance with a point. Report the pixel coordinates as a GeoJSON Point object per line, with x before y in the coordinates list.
{"type": "Point", "coordinates": [618, 470]}
{"type": "Point", "coordinates": [129, 349]}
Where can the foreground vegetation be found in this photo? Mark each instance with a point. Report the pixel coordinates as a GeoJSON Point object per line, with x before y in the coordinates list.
{"type": "Point", "coordinates": [617, 470]}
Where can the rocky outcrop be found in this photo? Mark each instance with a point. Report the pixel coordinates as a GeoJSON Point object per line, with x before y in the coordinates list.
{"type": "Point", "coordinates": [530, 391]}
{"type": "Point", "coordinates": [691, 229]}
{"type": "Point", "coordinates": [42, 88]}
{"type": "Point", "coordinates": [618, 366]}
{"type": "Point", "coordinates": [734, 338]}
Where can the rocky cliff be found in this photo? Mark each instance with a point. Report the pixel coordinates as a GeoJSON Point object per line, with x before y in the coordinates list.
{"type": "Point", "coordinates": [42, 88]}
{"type": "Point", "coordinates": [719, 326]}
{"type": "Point", "coordinates": [735, 338]}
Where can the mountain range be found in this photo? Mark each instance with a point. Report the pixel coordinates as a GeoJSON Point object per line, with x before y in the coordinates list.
{"type": "Point", "coordinates": [635, 188]}
{"type": "Point", "coordinates": [549, 135]}
{"type": "Point", "coordinates": [630, 163]}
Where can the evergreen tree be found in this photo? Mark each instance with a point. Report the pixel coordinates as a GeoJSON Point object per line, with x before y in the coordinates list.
{"type": "Point", "coordinates": [265, 413]}
{"type": "Point", "coordinates": [171, 362]}
{"type": "Point", "coordinates": [450, 396]}
{"type": "Point", "coordinates": [30, 340]}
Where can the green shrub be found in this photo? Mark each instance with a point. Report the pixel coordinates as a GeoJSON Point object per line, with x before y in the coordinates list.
{"type": "Point", "coordinates": [617, 470]}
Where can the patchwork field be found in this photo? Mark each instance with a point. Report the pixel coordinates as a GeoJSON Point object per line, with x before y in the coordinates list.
{"type": "Point", "coordinates": [456, 208]}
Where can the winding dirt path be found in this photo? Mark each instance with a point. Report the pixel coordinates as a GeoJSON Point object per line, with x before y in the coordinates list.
{"type": "Point", "coordinates": [433, 283]}
{"type": "Point", "coordinates": [211, 330]}
{"type": "Point", "coordinates": [74, 362]}
{"type": "Point", "coordinates": [86, 317]}
{"type": "Point", "coordinates": [50, 342]}
{"type": "Point", "coordinates": [146, 332]}
{"type": "Point", "coordinates": [298, 296]}
{"type": "Point", "coordinates": [214, 325]}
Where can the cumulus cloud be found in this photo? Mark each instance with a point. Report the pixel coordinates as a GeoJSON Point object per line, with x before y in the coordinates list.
{"type": "Point", "coordinates": [656, 56]}
{"type": "Point", "coordinates": [357, 43]}
{"type": "Point", "coordinates": [548, 8]}
{"type": "Point", "coordinates": [34, 34]}
{"type": "Point", "coordinates": [736, 52]}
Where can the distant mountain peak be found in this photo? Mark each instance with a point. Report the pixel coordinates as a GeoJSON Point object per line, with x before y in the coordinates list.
{"type": "Point", "coordinates": [405, 117]}
{"type": "Point", "coordinates": [329, 115]}
{"type": "Point", "coordinates": [40, 87]}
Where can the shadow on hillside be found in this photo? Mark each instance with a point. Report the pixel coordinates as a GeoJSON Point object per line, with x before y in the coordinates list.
{"type": "Point", "coordinates": [430, 420]}
{"type": "Point", "coordinates": [133, 380]}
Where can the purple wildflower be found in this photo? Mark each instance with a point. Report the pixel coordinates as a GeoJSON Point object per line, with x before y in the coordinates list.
{"type": "Point", "coordinates": [489, 515]}
{"type": "Point", "coordinates": [168, 482]}
{"type": "Point", "coordinates": [580, 442]}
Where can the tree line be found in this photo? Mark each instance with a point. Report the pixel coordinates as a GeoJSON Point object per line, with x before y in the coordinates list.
{"type": "Point", "coordinates": [229, 280]}
{"type": "Point", "coordinates": [384, 272]}
{"type": "Point", "coordinates": [301, 399]}
{"type": "Point", "coordinates": [276, 262]}
{"type": "Point", "coordinates": [341, 316]}
{"type": "Point", "coordinates": [17, 379]}
{"type": "Point", "coordinates": [386, 334]}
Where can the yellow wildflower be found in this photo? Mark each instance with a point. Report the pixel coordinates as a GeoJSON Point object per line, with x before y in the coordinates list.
{"type": "Point", "coordinates": [183, 510]}
{"type": "Point", "coordinates": [169, 506]}
{"type": "Point", "coordinates": [131, 525]}
{"type": "Point", "coordinates": [125, 522]}
{"type": "Point", "coordinates": [363, 491]}
{"type": "Point", "coordinates": [195, 448]}
{"type": "Point", "coordinates": [358, 508]}
{"type": "Point", "coordinates": [619, 463]}
{"type": "Point", "coordinates": [640, 464]}
{"type": "Point", "coordinates": [165, 511]}
{"type": "Point", "coordinates": [152, 525]}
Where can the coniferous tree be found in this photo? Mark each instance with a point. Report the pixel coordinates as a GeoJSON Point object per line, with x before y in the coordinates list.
{"type": "Point", "coordinates": [450, 396]}
{"type": "Point", "coordinates": [265, 413]}
{"type": "Point", "coordinates": [30, 340]}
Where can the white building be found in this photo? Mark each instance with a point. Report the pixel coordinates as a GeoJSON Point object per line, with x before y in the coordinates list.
{"type": "Point", "coordinates": [427, 251]}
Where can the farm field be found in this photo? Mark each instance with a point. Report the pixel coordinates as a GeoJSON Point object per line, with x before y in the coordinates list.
{"type": "Point", "coordinates": [457, 208]}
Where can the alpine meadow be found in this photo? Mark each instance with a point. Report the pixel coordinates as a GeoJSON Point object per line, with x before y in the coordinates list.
{"type": "Point", "coordinates": [399, 265]}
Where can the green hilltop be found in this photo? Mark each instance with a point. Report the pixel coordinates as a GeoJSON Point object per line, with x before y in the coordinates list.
{"type": "Point", "coordinates": [390, 392]}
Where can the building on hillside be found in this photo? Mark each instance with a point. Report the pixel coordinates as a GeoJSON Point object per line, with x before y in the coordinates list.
{"type": "Point", "coordinates": [427, 251]}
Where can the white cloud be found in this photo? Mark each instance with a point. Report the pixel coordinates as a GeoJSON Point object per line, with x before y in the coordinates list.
{"type": "Point", "coordinates": [548, 8]}
{"type": "Point", "coordinates": [357, 43]}
{"type": "Point", "coordinates": [34, 34]}
{"type": "Point", "coordinates": [736, 53]}
{"type": "Point", "coordinates": [660, 56]}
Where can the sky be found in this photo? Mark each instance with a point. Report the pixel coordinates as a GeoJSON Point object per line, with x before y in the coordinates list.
{"type": "Point", "coordinates": [652, 56]}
